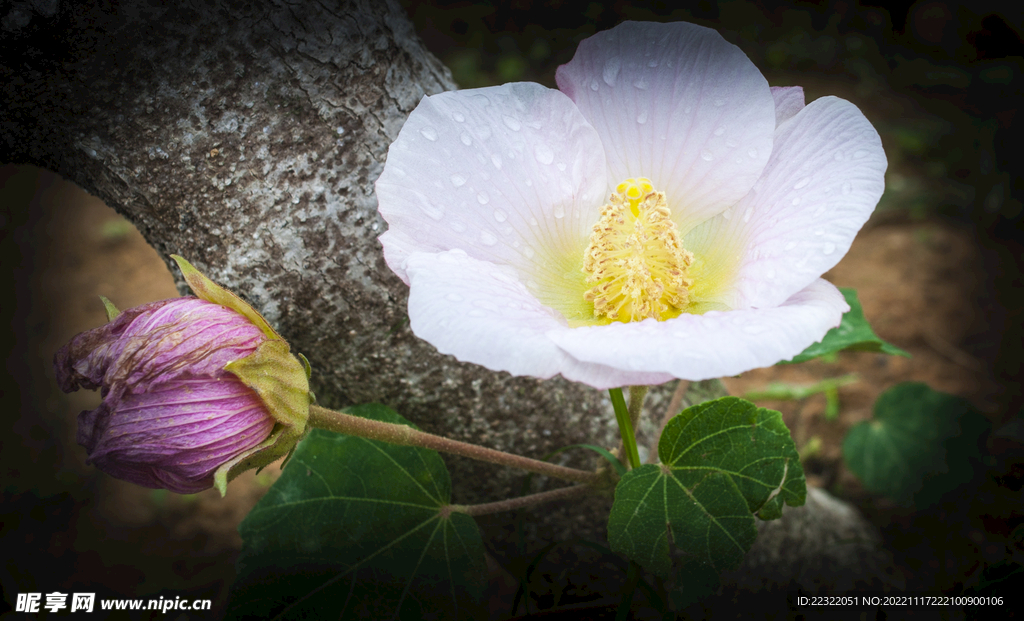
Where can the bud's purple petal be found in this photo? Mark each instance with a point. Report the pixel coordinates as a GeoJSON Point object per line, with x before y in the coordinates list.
{"type": "Point", "coordinates": [171, 413]}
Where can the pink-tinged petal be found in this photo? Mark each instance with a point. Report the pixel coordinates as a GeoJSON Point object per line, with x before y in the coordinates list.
{"type": "Point", "coordinates": [788, 101]}
{"type": "Point", "coordinates": [498, 172]}
{"type": "Point", "coordinates": [715, 344]}
{"type": "Point", "coordinates": [679, 105]}
{"type": "Point", "coordinates": [824, 179]}
{"type": "Point", "coordinates": [481, 313]}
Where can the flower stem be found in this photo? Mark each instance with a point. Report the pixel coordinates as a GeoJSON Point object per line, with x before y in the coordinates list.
{"type": "Point", "coordinates": [624, 417]}
{"type": "Point", "coordinates": [404, 435]}
{"type": "Point", "coordinates": [523, 501]}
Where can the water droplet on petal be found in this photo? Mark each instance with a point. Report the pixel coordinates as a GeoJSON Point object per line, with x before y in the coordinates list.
{"type": "Point", "coordinates": [796, 201]}
{"type": "Point", "coordinates": [770, 273]}
{"type": "Point", "coordinates": [476, 312]}
{"type": "Point", "coordinates": [593, 85]}
{"type": "Point", "coordinates": [752, 153]}
{"type": "Point", "coordinates": [429, 133]}
{"type": "Point", "coordinates": [482, 198]}
{"type": "Point", "coordinates": [500, 215]}
{"type": "Point", "coordinates": [791, 245]}
{"type": "Point", "coordinates": [533, 221]}
{"type": "Point", "coordinates": [529, 252]}
{"type": "Point", "coordinates": [611, 70]}
{"type": "Point", "coordinates": [839, 156]}
{"type": "Point", "coordinates": [828, 248]}
{"type": "Point", "coordinates": [642, 117]}
{"type": "Point", "coordinates": [747, 214]}
{"type": "Point", "coordinates": [512, 123]}
{"type": "Point", "coordinates": [652, 63]}
{"type": "Point", "coordinates": [488, 238]}
{"type": "Point", "coordinates": [458, 226]}
{"type": "Point", "coordinates": [802, 183]}
{"type": "Point", "coordinates": [483, 132]}
{"type": "Point", "coordinates": [641, 83]}
{"type": "Point", "coordinates": [544, 154]}
{"type": "Point", "coordinates": [466, 140]}
{"type": "Point", "coordinates": [559, 210]}
{"type": "Point", "coordinates": [859, 153]}
{"type": "Point", "coordinates": [727, 213]}
{"type": "Point", "coordinates": [458, 180]}
{"type": "Point", "coordinates": [819, 211]}
{"type": "Point", "coordinates": [719, 103]}
{"type": "Point", "coordinates": [453, 297]}
{"type": "Point", "coordinates": [458, 117]}
{"type": "Point", "coordinates": [819, 232]}
{"type": "Point", "coordinates": [706, 156]}
{"type": "Point", "coordinates": [719, 131]}
{"type": "Point", "coordinates": [496, 160]}
{"type": "Point", "coordinates": [847, 188]}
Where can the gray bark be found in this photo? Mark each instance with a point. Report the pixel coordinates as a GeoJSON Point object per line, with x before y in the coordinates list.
{"type": "Point", "coordinates": [248, 140]}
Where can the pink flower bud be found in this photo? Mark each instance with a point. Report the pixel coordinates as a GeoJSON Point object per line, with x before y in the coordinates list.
{"type": "Point", "coordinates": [171, 413]}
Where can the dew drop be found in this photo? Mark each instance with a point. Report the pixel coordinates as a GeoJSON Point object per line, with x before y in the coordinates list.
{"type": "Point", "coordinates": [847, 188]}
{"type": "Point", "coordinates": [770, 273]}
{"type": "Point", "coordinates": [802, 183]}
{"type": "Point", "coordinates": [500, 215]}
{"type": "Point", "coordinates": [496, 160]}
{"type": "Point", "coordinates": [796, 201]}
{"type": "Point", "coordinates": [819, 211]}
{"type": "Point", "coordinates": [642, 117]}
{"type": "Point", "coordinates": [828, 248]}
{"type": "Point", "coordinates": [641, 83]}
{"type": "Point", "coordinates": [488, 238]}
{"type": "Point", "coordinates": [453, 297]}
{"type": "Point", "coordinates": [593, 85]}
{"type": "Point", "coordinates": [727, 213]}
{"type": "Point", "coordinates": [791, 245]}
{"type": "Point", "coordinates": [483, 132]}
{"type": "Point", "coordinates": [652, 63]}
{"type": "Point", "coordinates": [458, 117]}
{"type": "Point", "coordinates": [429, 133]}
{"type": "Point", "coordinates": [476, 312]}
{"type": "Point", "coordinates": [466, 140]}
{"type": "Point", "coordinates": [529, 252]}
{"type": "Point", "coordinates": [482, 198]}
{"type": "Point", "coordinates": [512, 123]}
{"type": "Point", "coordinates": [559, 210]}
{"type": "Point", "coordinates": [529, 183]}
{"type": "Point", "coordinates": [544, 154]}
{"type": "Point", "coordinates": [706, 156]}
{"type": "Point", "coordinates": [859, 153]}
{"type": "Point", "coordinates": [560, 166]}
{"type": "Point", "coordinates": [611, 70]}
{"type": "Point", "coordinates": [719, 131]}
{"type": "Point", "coordinates": [752, 152]}
{"type": "Point", "coordinates": [747, 214]}
{"type": "Point", "coordinates": [458, 226]}
{"type": "Point", "coordinates": [719, 103]}
{"type": "Point", "coordinates": [458, 180]}
{"type": "Point", "coordinates": [819, 232]}
{"type": "Point", "coordinates": [533, 221]}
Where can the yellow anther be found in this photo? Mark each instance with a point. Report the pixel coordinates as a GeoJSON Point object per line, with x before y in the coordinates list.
{"type": "Point", "coordinates": [635, 258]}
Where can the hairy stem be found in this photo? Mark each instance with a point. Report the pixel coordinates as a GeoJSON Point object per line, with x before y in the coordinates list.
{"type": "Point", "coordinates": [407, 436]}
{"type": "Point", "coordinates": [524, 501]}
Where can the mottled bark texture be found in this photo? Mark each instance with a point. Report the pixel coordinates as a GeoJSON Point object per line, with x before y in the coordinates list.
{"type": "Point", "coordinates": [247, 138]}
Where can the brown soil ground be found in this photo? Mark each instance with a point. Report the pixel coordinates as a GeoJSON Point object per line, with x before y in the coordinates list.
{"type": "Point", "coordinates": [75, 528]}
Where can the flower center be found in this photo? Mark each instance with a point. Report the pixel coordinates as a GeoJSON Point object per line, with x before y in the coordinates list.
{"type": "Point", "coordinates": [635, 260]}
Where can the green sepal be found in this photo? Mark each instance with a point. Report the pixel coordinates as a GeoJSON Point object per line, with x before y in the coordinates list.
{"type": "Point", "coordinates": [112, 311]}
{"type": "Point", "coordinates": [280, 380]}
{"type": "Point", "coordinates": [206, 289]}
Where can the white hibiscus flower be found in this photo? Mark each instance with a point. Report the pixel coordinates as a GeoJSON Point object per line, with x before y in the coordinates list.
{"type": "Point", "coordinates": [664, 214]}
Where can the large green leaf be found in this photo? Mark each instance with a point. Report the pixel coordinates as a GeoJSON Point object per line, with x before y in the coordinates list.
{"type": "Point", "coordinates": [854, 333]}
{"type": "Point", "coordinates": [722, 461]}
{"type": "Point", "coordinates": [359, 529]}
{"type": "Point", "coordinates": [919, 442]}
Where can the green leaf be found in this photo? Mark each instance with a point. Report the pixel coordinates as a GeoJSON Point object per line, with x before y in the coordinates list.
{"type": "Point", "coordinates": [359, 529]}
{"type": "Point", "coordinates": [852, 334]}
{"type": "Point", "coordinates": [920, 444]}
{"type": "Point", "coordinates": [722, 461]}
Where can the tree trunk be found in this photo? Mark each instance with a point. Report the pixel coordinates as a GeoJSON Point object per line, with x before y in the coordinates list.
{"type": "Point", "coordinates": [248, 139]}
